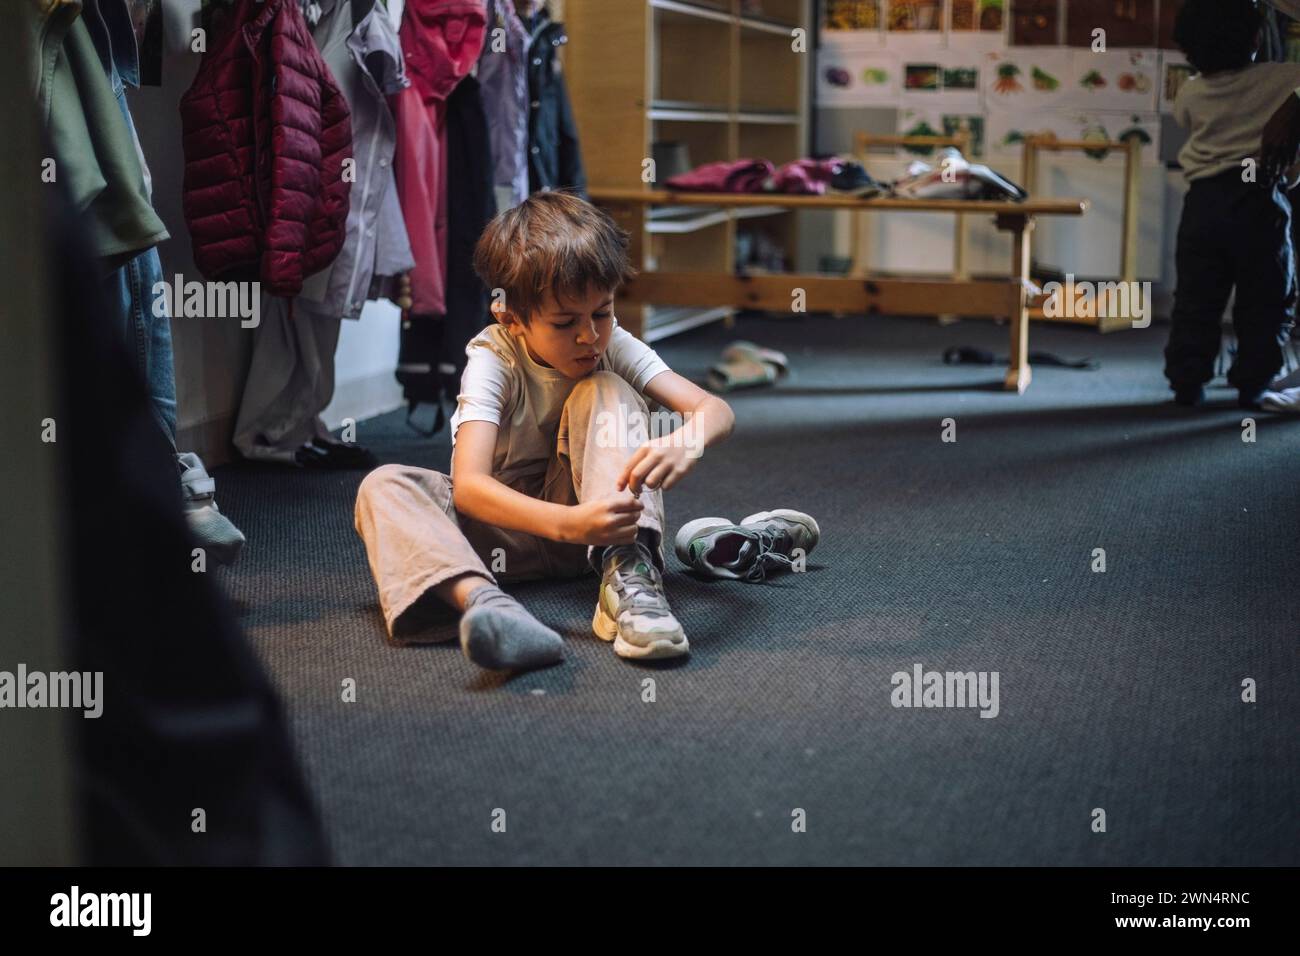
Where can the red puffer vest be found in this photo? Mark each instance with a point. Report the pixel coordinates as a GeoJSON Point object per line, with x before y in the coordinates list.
{"type": "Point", "coordinates": [265, 133]}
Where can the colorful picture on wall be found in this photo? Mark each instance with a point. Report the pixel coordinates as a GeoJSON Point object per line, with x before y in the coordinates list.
{"type": "Point", "coordinates": [847, 77]}
{"type": "Point", "coordinates": [1007, 133]}
{"type": "Point", "coordinates": [852, 15]}
{"type": "Point", "coordinates": [988, 16]}
{"type": "Point", "coordinates": [1118, 80]}
{"type": "Point", "coordinates": [921, 76]}
{"type": "Point", "coordinates": [1035, 23]}
{"type": "Point", "coordinates": [1025, 79]}
{"type": "Point", "coordinates": [961, 78]}
{"type": "Point", "coordinates": [923, 121]}
{"type": "Point", "coordinates": [946, 80]}
{"type": "Point", "coordinates": [919, 122]}
{"type": "Point", "coordinates": [914, 16]}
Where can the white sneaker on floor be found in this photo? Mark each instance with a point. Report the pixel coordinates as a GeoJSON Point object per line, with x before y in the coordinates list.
{"type": "Point", "coordinates": [1286, 401]}
{"type": "Point", "coordinates": [211, 529]}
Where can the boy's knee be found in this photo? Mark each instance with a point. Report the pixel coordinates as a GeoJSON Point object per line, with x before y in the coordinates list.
{"type": "Point", "coordinates": [597, 381]}
{"type": "Point", "coordinates": [387, 479]}
{"type": "Point", "coordinates": [602, 387]}
{"type": "Point", "coordinates": [380, 478]}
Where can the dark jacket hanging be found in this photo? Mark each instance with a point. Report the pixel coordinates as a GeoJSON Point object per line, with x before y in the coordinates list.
{"type": "Point", "coordinates": [554, 157]}
{"type": "Point", "coordinates": [432, 353]}
{"type": "Point", "coordinates": [471, 204]}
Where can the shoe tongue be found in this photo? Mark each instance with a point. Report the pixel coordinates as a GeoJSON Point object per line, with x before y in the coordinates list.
{"type": "Point", "coordinates": [745, 555]}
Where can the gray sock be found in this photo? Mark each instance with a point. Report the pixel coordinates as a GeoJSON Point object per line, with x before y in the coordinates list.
{"type": "Point", "coordinates": [498, 633]}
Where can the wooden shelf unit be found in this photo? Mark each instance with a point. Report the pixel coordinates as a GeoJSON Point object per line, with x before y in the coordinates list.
{"type": "Point", "coordinates": [727, 84]}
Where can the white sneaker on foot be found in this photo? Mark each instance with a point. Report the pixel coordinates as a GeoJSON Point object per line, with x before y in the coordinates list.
{"type": "Point", "coordinates": [1286, 401]}
{"type": "Point", "coordinates": [632, 610]}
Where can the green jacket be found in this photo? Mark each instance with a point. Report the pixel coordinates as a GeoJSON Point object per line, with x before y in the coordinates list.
{"type": "Point", "coordinates": [92, 145]}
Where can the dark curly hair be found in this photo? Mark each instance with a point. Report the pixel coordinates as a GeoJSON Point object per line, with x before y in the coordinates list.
{"type": "Point", "coordinates": [1218, 35]}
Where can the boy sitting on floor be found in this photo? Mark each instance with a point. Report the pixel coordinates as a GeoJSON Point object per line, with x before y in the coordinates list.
{"type": "Point", "coordinates": [547, 480]}
{"type": "Point", "coordinates": [1235, 231]}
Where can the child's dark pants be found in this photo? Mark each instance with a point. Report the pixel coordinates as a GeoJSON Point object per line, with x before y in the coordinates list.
{"type": "Point", "coordinates": [1232, 234]}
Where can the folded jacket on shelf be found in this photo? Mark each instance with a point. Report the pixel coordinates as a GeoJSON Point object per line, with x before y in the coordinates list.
{"type": "Point", "coordinates": [806, 177]}
{"type": "Point", "coordinates": [727, 176]}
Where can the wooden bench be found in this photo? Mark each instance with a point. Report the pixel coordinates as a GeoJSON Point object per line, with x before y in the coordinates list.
{"type": "Point", "coordinates": [1008, 298]}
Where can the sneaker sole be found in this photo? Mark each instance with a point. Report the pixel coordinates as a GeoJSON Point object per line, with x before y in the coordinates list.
{"type": "Point", "coordinates": [606, 628]}
{"type": "Point", "coordinates": [694, 529]}
{"type": "Point", "coordinates": [798, 517]}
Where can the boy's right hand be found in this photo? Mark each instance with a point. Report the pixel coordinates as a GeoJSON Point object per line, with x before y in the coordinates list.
{"type": "Point", "coordinates": [605, 521]}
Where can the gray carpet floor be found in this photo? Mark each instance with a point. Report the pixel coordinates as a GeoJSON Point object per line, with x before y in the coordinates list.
{"type": "Point", "coordinates": [1118, 690]}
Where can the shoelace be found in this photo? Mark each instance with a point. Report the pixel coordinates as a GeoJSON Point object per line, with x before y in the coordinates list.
{"type": "Point", "coordinates": [641, 586]}
{"type": "Point", "coordinates": [767, 557]}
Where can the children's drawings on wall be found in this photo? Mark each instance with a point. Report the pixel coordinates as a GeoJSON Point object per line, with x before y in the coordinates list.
{"type": "Point", "coordinates": [912, 16]}
{"type": "Point", "coordinates": [914, 25]}
{"type": "Point", "coordinates": [850, 15]}
{"type": "Point", "coordinates": [934, 122]}
{"type": "Point", "coordinates": [1030, 79]}
{"type": "Point", "coordinates": [1035, 23]}
{"type": "Point", "coordinates": [1007, 132]}
{"type": "Point", "coordinates": [980, 16]}
{"type": "Point", "coordinates": [847, 77]}
{"type": "Point", "coordinates": [1118, 80]}
{"type": "Point", "coordinates": [948, 79]}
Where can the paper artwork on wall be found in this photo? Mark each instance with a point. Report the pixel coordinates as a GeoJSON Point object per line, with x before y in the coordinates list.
{"type": "Point", "coordinates": [1007, 132]}
{"type": "Point", "coordinates": [847, 77]}
{"type": "Point", "coordinates": [1029, 79]}
{"type": "Point", "coordinates": [948, 79]}
{"type": "Point", "coordinates": [935, 122]}
{"type": "Point", "coordinates": [1117, 80]}
{"type": "Point", "coordinates": [978, 16]}
{"type": "Point", "coordinates": [847, 16]}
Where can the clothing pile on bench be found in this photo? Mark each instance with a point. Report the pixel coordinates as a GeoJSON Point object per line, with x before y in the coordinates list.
{"type": "Point", "coordinates": [954, 177]}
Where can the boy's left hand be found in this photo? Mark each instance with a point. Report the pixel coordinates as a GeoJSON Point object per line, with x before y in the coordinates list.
{"type": "Point", "coordinates": [659, 463]}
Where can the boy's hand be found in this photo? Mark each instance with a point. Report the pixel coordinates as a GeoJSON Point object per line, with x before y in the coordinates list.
{"type": "Point", "coordinates": [605, 521]}
{"type": "Point", "coordinates": [659, 463]}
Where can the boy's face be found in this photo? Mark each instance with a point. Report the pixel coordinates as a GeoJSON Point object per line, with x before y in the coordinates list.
{"type": "Point", "coordinates": [568, 336]}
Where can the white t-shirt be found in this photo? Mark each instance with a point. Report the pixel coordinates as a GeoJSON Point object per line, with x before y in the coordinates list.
{"type": "Point", "coordinates": [1226, 114]}
{"type": "Point", "coordinates": [505, 385]}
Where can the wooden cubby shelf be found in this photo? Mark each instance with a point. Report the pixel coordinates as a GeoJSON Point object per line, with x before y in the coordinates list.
{"type": "Point", "coordinates": [723, 83]}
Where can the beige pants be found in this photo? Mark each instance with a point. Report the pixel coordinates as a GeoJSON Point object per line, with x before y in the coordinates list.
{"type": "Point", "coordinates": [416, 539]}
{"type": "Point", "coordinates": [290, 381]}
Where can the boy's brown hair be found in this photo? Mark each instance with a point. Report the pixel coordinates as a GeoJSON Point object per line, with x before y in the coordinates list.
{"type": "Point", "coordinates": [554, 241]}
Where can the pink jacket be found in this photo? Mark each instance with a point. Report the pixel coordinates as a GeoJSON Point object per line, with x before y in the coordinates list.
{"type": "Point", "coordinates": [441, 40]}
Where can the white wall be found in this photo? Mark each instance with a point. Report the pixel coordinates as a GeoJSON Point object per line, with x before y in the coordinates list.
{"type": "Point", "coordinates": [363, 366]}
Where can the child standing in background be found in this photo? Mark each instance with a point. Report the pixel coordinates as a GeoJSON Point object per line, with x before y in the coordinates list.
{"type": "Point", "coordinates": [1235, 231]}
